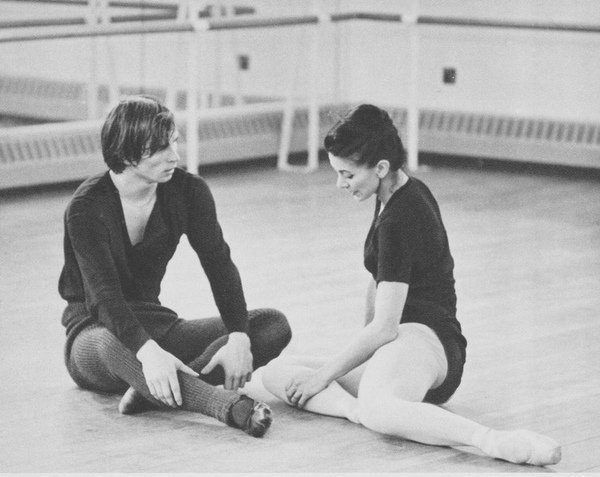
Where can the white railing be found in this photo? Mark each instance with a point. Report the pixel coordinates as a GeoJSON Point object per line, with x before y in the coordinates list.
{"type": "Point", "coordinates": [186, 16]}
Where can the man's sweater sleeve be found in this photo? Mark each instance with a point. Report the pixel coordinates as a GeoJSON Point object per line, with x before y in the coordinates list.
{"type": "Point", "coordinates": [104, 295]}
{"type": "Point", "coordinates": [206, 238]}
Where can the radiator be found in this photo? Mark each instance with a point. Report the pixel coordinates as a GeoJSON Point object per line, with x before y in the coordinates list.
{"type": "Point", "coordinates": [70, 150]}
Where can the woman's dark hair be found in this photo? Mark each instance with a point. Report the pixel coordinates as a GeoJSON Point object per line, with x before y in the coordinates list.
{"type": "Point", "coordinates": [368, 134]}
{"type": "Point", "coordinates": [137, 127]}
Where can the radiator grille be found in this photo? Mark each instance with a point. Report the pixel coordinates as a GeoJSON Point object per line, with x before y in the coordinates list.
{"type": "Point", "coordinates": [39, 88]}
{"type": "Point", "coordinates": [532, 129]}
{"type": "Point", "coordinates": [43, 147]}
{"type": "Point", "coordinates": [50, 148]}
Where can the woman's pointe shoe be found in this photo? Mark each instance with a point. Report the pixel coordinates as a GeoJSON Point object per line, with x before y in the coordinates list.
{"type": "Point", "coordinates": [259, 420]}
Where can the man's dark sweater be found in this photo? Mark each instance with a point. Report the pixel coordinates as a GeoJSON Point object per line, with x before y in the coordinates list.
{"type": "Point", "coordinates": [120, 283]}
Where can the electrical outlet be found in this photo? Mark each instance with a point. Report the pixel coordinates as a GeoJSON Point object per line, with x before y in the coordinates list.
{"type": "Point", "coordinates": [449, 75]}
{"type": "Point", "coordinates": [243, 62]}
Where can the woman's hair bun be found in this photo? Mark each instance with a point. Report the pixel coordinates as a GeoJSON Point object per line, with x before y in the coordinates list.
{"type": "Point", "coordinates": [369, 134]}
{"type": "Point", "coordinates": [371, 117]}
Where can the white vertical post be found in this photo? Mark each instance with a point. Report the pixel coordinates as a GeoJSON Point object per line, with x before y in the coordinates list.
{"type": "Point", "coordinates": [96, 13]}
{"type": "Point", "coordinates": [285, 140]}
{"type": "Point", "coordinates": [203, 42]}
{"type": "Point", "coordinates": [217, 93]}
{"type": "Point", "coordinates": [192, 105]}
{"type": "Point", "coordinates": [111, 68]}
{"type": "Point", "coordinates": [289, 111]}
{"type": "Point", "coordinates": [412, 119]}
{"type": "Point", "coordinates": [174, 84]}
{"type": "Point", "coordinates": [103, 50]}
{"type": "Point", "coordinates": [171, 94]}
{"type": "Point", "coordinates": [192, 90]}
{"type": "Point", "coordinates": [92, 84]}
{"type": "Point", "coordinates": [313, 90]}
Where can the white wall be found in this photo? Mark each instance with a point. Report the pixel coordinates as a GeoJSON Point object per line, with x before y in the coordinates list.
{"type": "Point", "coordinates": [549, 74]}
{"type": "Point", "coordinates": [514, 72]}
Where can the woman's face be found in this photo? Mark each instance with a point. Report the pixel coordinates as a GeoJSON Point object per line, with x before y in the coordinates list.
{"type": "Point", "coordinates": [158, 167]}
{"type": "Point", "coordinates": [360, 181]}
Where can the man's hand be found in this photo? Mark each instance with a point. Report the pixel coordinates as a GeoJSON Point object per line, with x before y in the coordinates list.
{"type": "Point", "coordinates": [236, 359]}
{"type": "Point", "coordinates": [160, 370]}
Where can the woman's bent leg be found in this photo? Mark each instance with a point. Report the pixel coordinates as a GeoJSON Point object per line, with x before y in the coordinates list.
{"type": "Point", "coordinates": [100, 362]}
{"type": "Point", "coordinates": [396, 380]}
{"type": "Point", "coordinates": [332, 401]}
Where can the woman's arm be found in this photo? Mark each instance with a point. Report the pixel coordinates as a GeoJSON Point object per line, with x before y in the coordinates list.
{"type": "Point", "coordinates": [370, 301]}
{"type": "Point", "coordinates": [389, 303]}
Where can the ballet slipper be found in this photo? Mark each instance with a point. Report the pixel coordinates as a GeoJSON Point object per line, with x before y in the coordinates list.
{"type": "Point", "coordinates": [521, 447]}
{"type": "Point", "coordinates": [259, 421]}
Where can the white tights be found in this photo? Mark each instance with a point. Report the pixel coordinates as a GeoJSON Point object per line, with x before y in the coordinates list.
{"type": "Point", "coordinates": [386, 394]}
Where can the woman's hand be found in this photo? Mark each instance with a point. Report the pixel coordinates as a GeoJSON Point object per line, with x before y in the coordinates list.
{"type": "Point", "coordinates": [160, 370]}
{"type": "Point", "coordinates": [236, 359]}
{"type": "Point", "coordinates": [303, 386]}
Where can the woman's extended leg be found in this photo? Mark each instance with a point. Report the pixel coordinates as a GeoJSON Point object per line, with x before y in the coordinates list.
{"type": "Point", "coordinates": [397, 379]}
{"type": "Point", "coordinates": [100, 362]}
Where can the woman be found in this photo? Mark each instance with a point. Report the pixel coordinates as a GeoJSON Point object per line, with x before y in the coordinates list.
{"type": "Point", "coordinates": [410, 354]}
{"type": "Point", "coordinates": [121, 229]}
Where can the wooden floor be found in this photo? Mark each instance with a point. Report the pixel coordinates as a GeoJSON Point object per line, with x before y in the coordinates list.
{"type": "Point", "coordinates": [527, 252]}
